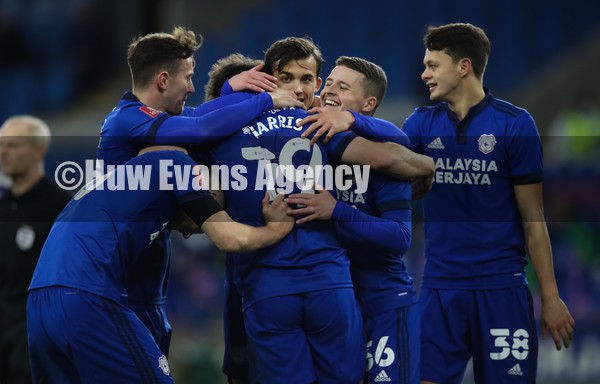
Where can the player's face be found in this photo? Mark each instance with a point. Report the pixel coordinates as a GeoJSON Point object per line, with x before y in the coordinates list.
{"type": "Point", "coordinates": [19, 154]}
{"type": "Point", "coordinates": [441, 75]}
{"type": "Point", "coordinates": [343, 90]}
{"type": "Point", "coordinates": [300, 76]}
{"type": "Point", "coordinates": [179, 86]}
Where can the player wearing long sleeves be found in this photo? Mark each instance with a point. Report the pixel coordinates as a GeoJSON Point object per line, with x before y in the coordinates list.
{"type": "Point", "coordinates": [154, 113]}
{"type": "Point", "coordinates": [374, 226]}
{"type": "Point", "coordinates": [80, 326]}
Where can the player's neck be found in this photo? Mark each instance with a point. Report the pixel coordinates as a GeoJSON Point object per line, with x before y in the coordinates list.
{"type": "Point", "coordinates": [21, 184]}
{"type": "Point", "coordinates": [466, 98]}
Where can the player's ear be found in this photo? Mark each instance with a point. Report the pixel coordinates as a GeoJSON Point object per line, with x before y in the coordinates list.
{"type": "Point", "coordinates": [369, 105]}
{"type": "Point", "coordinates": [465, 66]}
{"type": "Point", "coordinates": [319, 83]}
{"type": "Point", "coordinates": [162, 80]}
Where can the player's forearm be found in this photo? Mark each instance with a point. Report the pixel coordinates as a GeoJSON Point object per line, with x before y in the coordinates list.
{"type": "Point", "coordinates": [540, 253]}
{"type": "Point", "coordinates": [405, 164]}
{"type": "Point", "coordinates": [383, 234]}
{"type": "Point", "coordinates": [207, 127]}
{"type": "Point", "coordinates": [390, 158]}
{"type": "Point", "coordinates": [220, 102]}
{"type": "Point", "coordinates": [238, 238]}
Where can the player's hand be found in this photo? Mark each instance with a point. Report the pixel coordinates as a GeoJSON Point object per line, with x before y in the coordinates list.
{"type": "Point", "coordinates": [317, 206]}
{"type": "Point", "coordinates": [325, 121]}
{"type": "Point", "coordinates": [421, 186]}
{"type": "Point", "coordinates": [253, 80]}
{"type": "Point", "coordinates": [275, 214]}
{"type": "Point", "coordinates": [557, 321]}
{"type": "Point", "coordinates": [285, 98]}
{"type": "Point", "coordinates": [317, 102]}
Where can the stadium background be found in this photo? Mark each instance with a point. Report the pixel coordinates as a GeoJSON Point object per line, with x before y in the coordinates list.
{"type": "Point", "coordinates": [64, 60]}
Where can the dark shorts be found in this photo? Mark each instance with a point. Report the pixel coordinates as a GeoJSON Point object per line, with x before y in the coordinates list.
{"type": "Point", "coordinates": [75, 336]}
{"type": "Point", "coordinates": [393, 346]}
{"type": "Point", "coordinates": [495, 327]}
{"type": "Point", "coordinates": [235, 359]}
{"type": "Point", "coordinates": [303, 338]}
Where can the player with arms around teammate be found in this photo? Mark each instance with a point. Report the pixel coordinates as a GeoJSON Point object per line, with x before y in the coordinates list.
{"type": "Point", "coordinates": [375, 226]}
{"type": "Point", "coordinates": [483, 217]}
{"type": "Point", "coordinates": [317, 263]}
{"type": "Point", "coordinates": [317, 338]}
{"type": "Point", "coordinates": [80, 327]}
{"type": "Point", "coordinates": [162, 66]}
{"type": "Point", "coordinates": [154, 112]}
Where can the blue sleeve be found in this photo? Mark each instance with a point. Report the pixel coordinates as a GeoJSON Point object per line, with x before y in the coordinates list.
{"type": "Point", "coordinates": [221, 102]}
{"type": "Point", "coordinates": [226, 89]}
{"type": "Point", "coordinates": [378, 130]}
{"type": "Point", "coordinates": [525, 151]}
{"type": "Point", "coordinates": [411, 129]}
{"type": "Point", "coordinates": [210, 127]}
{"type": "Point", "coordinates": [376, 232]}
{"type": "Point", "coordinates": [392, 220]}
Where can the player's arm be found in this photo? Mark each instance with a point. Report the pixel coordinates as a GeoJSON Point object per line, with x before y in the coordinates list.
{"type": "Point", "coordinates": [328, 122]}
{"type": "Point", "coordinates": [205, 127]}
{"type": "Point", "coordinates": [231, 236]}
{"type": "Point", "coordinates": [378, 129]}
{"type": "Point", "coordinates": [394, 160]}
{"type": "Point", "coordinates": [279, 98]}
{"type": "Point", "coordinates": [389, 158]}
{"type": "Point", "coordinates": [556, 318]}
{"type": "Point", "coordinates": [221, 102]}
{"type": "Point", "coordinates": [358, 225]}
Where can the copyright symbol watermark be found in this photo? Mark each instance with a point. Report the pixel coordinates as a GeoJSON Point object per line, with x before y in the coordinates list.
{"type": "Point", "coordinates": [69, 175]}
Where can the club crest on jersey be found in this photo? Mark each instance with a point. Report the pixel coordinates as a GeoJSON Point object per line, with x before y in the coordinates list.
{"type": "Point", "coordinates": [486, 143]}
{"type": "Point", "coordinates": [164, 364]}
{"type": "Point", "coordinates": [25, 237]}
{"type": "Point", "coordinates": [150, 111]}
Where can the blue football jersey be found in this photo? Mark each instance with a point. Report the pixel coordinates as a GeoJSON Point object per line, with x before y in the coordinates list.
{"type": "Point", "coordinates": [473, 230]}
{"type": "Point", "coordinates": [377, 240]}
{"type": "Point", "coordinates": [132, 126]}
{"type": "Point", "coordinates": [310, 257]}
{"type": "Point", "coordinates": [102, 232]}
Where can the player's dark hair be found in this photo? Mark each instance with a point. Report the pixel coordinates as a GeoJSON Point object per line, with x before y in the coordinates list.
{"type": "Point", "coordinates": [283, 51]}
{"type": "Point", "coordinates": [460, 40]}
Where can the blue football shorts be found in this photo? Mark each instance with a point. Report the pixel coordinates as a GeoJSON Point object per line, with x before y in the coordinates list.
{"type": "Point", "coordinates": [78, 337]}
{"type": "Point", "coordinates": [393, 346]}
{"type": "Point", "coordinates": [307, 337]}
{"type": "Point", "coordinates": [495, 327]}
{"type": "Point", "coordinates": [154, 317]}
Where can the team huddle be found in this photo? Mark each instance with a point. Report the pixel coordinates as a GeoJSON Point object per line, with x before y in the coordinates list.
{"type": "Point", "coordinates": [317, 290]}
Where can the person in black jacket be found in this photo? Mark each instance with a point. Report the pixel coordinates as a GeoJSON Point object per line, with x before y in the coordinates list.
{"type": "Point", "coordinates": [28, 209]}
